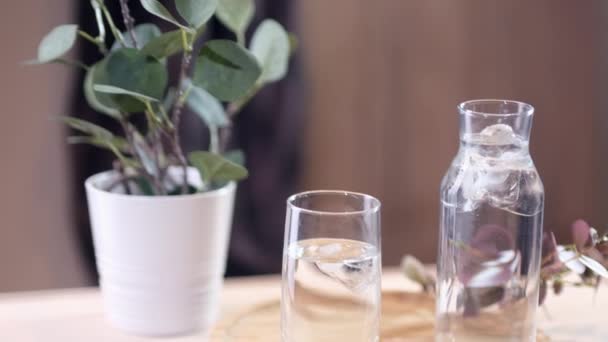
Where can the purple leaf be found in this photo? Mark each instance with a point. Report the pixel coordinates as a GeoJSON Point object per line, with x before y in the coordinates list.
{"type": "Point", "coordinates": [472, 300]}
{"type": "Point", "coordinates": [490, 259]}
{"type": "Point", "coordinates": [581, 233]}
{"type": "Point", "coordinates": [491, 239]}
{"type": "Point", "coordinates": [595, 254]}
{"type": "Point", "coordinates": [486, 296]}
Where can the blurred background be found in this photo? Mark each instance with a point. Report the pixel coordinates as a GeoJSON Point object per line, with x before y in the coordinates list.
{"type": "Point", "coordinates": [370, 106]}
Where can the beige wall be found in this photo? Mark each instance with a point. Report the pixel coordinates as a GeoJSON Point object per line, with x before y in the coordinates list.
{"type": "Point", "coordinates": [385, 77]}
{"type": "Point", "coordinates": [37, 248]}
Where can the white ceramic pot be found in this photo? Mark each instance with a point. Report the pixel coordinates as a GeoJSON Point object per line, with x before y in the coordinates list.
{"type": "Point", "coordinates": [161, 260]}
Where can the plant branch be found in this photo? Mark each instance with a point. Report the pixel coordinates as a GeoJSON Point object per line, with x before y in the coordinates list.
{"type": "Point", "coordinates": [240, 38]}
{"type": "Point", "coordinates": [178, 108]}
{"type": "Point", "coordinates": [183, 73]}
{"type": "Point", "coordinates": [232, 110]}
{"type": "Point", "coordinates": [235, 107]}
{"type": "Point", "coordinates": [113, 28]}
{"type": "Point", "coordinates": [99, 43]}
{"type": "Point", "coordinates": [128, 20]}
{"type": "Point", "coordinates": [122, 179]}
{"type": "Point", "coordinates": [88, 37]}
{"type": "Point", "coordinates": [223, 138]}
{"type": "Point", "coordinates": [128, 129]}
{"type": "Point", "coordinates": [99, 19]}
{"type": "Point", "coordinates": [214, 139]}
{"type": "Point", "coordinates": [179, 153]}
{"type": "Point", "coordinates": [73, 63]}
{"type": "Point", "coordinates": [159, 152]}
{"type": "Point", "coordinates": [155, 130]}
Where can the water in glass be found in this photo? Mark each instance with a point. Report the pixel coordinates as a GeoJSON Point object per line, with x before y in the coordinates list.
{"type": "Point", "coordinates": [334, 292]}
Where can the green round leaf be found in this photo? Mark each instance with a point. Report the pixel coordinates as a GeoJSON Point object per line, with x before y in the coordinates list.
{"type": "Point", "coordinates": [226, 70]}
{"type": "Point", "coordinates": [196, 12]}
{"type": "Point", "coordinates": [270, 45]}
{"type": "Point", "coordinates": [136, 72]}
{"type": "Point", "coordinates": [144, 33]}
{"type": "Point", "coordinates": [57, 42]}
{"type": "Point", "coordinates": [98, 101]}
{"type": "Point", "coordinates": [157, 8]}
{"type": "Point", "coordinates": [87, 127]}
{"type": "Point", "coordinates": [145, 153]}
{"type": "Point", "coordinates": [108, 89]}
{"type": "Point", "coordinates": [165, 45]}
{"type": "Point", "coordinates": [207, 107]}
{"type": "Point", "coordinates": [214, 168]}
{"type": "Point", "coordinates": [235, 14]}
{"type": "Point", "coordinates": [111, 143]}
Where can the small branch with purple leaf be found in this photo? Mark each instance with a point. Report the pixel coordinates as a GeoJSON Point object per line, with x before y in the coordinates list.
{"type": "Point", "coordinates": [586, 258]}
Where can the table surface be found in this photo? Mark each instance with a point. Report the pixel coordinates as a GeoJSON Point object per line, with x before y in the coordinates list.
{"type": "Point", "coordinates": [77, 314]}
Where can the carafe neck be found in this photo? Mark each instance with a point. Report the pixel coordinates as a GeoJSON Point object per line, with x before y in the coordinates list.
{"type": "Point", "coordinates": [495, 122]}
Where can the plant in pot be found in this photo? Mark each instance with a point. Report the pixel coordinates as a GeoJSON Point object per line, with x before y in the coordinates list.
{"type": "Point", "coordinates": [161, 219]}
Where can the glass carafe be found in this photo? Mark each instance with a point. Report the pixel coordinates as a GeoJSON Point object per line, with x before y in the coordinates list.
{"type": "Point", "coordinates": [491, 227]}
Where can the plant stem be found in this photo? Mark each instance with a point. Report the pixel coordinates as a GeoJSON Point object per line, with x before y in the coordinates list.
{"type": "Point", "coordinates": [570, 246]}
{"type": "Point", "coordinates": [115, 31]}
{"type": "Point", "coordinates": [182, 160]}
{"type": "Point", "coordinates": [128, 129]}
{"type": "Point", "coordinates": [232, 110]}
{"type": "Point", "coordinates": [99, 19]}
{"type": "Point", "coordinates": [100, 44]}
{"type": "Point", "coordinates": [573, 283]}
{"type": "Point", "coordinates": [223, 138]}
{"type": "Point", "coordinates": [128, 20]}
{"type": "Point", "coordinates": [214, 140]}
{"type": "Point", "coordinates": [73, 63]}
{"type": "Point", "coordinates": [159, 153]}
{"type": "Point", "coordinates": [122, 179]}
{"type": "Point", "coordinates": [88, 37]}
{"type": "Point", "coordinates": [240, 38]}
{"type": "Point", "coordinates": [235, 107]}
{"type": "Point", "coordinates": [178, 107]}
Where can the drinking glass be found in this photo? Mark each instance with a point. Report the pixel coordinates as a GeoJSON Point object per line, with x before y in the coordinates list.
{"type": "Point", "coordinates": [331, 268]}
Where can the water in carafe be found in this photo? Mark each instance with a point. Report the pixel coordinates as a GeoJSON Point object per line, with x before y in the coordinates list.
{"type": "Point", "coordinates": [491, 227]}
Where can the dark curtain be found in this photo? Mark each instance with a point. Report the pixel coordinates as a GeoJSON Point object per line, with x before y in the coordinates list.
{"type": "Point", "coordinates": [267, 130]}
